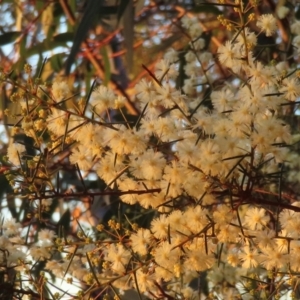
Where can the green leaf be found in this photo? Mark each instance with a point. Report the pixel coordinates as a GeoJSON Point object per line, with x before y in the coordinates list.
{"type": "Point", "coordinates": [107, 71]}
{"type": "Point", "coordinates": [88, 18]}
{"type": "Point", "coordinates": [57, 62]}
{"type": "Point", "coordinates": [72, 6]}
{"type": "Point", "coordinates": [40, 66]}
{"type": "Point", "coordinates": [44, 46]}
{"type": "Point", "coordinates": [121, 9]}
{"type": "Point", "coordinates": [63, 37]}
{"type": "Point", "coordinates": [39, 5]}
{"type": "Point", "coordinates": [23, 55]}
{"type": "Point", "coordinates": [128, 31]}
{"type": "Point", "coordinates": [204, 8]}
{"type": "Point", "coordinates": [23, 49]}
{"type": "Point", "coordinates": [9, 37]}
{"type": "Point", "coordinates": [51, 31]}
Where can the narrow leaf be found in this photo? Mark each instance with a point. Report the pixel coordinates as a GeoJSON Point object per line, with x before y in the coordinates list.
{"type": "Point", "coordinates": [9, 37]}
{"type": "Point", "coordinates": [107, 71]}
{"type": "Point", "coordinates": [121, 9]}
{"type": "Point", "coordinates": [90, 13]}
{"type": "Point", "coordinates": [128, 31]}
